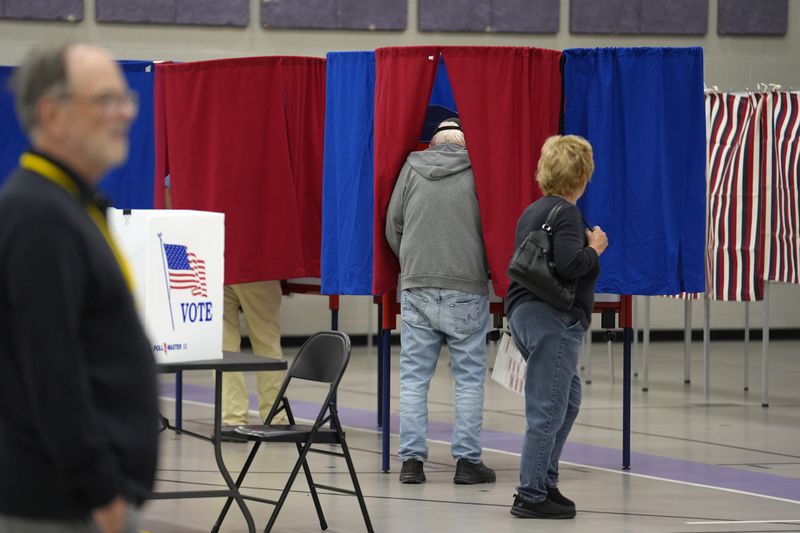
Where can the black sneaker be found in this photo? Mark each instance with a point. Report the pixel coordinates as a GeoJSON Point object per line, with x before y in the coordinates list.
{"type": "Point", "coordinates": [545, 509]}
{"type": "Point", "coordinates": [472, 473]}
{"type": "Point", "coordinates": [554, 494]}
{"type": "Point", "coordinates": [412, 472]}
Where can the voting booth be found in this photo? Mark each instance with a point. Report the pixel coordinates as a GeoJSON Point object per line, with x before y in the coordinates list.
{"type": "Point", "coordinates": [177, 257]}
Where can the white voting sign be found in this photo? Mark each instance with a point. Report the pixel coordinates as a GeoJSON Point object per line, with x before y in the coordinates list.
{"type": "Point", "coordinates": [177, 257]}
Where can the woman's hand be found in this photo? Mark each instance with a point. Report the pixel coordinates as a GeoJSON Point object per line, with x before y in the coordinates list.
{"type": "Point", "coordinates": [597, 239]}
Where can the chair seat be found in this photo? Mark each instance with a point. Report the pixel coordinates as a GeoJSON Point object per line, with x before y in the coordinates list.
{"type": "Point", "coordinates": [286, 433]}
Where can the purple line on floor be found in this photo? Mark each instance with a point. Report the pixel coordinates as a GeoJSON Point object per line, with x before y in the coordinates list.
{"type": "Point", "coordinates": [585, 454]}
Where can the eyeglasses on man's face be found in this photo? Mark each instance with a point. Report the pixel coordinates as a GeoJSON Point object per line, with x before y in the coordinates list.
{"type": "Point", "coordinates": [109, 102]}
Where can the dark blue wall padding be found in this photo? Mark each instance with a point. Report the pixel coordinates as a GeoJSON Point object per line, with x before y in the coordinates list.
{"type": "Point", "coordinates": [347, 177]}
{"type": "Point", "coordinates": [131, 185]}
{"type": "Point", "coordinates": [643, 111]}
{"type": "Point", "coordinates": [61, 10]}
{"type": "Point", "coordinates": [182, 12]}
{"type": "Point", "coordinates": [528, 16]}
{"type": "Point", "coordinates": [747, 17]}
{"type": "Point", "coordinates": [335, 14]}
{"type": "Point", "coordinates": [213, 12]}
{"type": "Point", "coordinates": [675, 17]}
{"type": "Point", "coordinates": [513, 16]}
{"type": "Point", "coordinates": [372, 15]}
{"type": "Point", "coordinates": [604, 16]}
{"type": "Point", "coordinates": [12, 140]}
{"type": "Point", "coordinates": [292, 14]}
{"type": "Point", "coordinates": [454, 15]}
{"type": "Point", "coordinates": [136, 11]}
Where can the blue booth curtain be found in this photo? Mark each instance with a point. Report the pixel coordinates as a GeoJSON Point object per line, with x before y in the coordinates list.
{"type": "Point", "coordinates": [128, 187]}
{"type": "Point", "coordinates": [12, 140]}
{"type": "Point", "coordinates": [131, 185]}
{"type": "Point", "coordinates": [643, 111]}
{"type": "Point", "coordinates": [347, 183]}
{"type": "Point", "coordinates": [441, 106]}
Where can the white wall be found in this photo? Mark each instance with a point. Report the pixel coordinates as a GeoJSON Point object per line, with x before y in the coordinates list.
{"type": "Point", "coordinates": [730, 63]}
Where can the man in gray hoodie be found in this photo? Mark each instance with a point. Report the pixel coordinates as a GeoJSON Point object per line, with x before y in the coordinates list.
{"type": "Point", "coordinates": [433, 225]}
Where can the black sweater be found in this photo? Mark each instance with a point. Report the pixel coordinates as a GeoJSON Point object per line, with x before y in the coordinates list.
{"type": "Point", "coordinates": [573, 258]}
{"type": "Point", "coordinates": [78, 404]}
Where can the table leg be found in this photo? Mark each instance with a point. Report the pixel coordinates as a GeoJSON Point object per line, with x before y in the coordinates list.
{"type": "Point", "coordinates": [251, 527]}
{"type": "Point", "coordinates": [178, 401]}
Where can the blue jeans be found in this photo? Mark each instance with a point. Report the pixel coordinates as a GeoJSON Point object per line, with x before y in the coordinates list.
{"type": "Point", "coordinates": [550, 341]}
{"type": "Point", "coordinates": [432, 317]}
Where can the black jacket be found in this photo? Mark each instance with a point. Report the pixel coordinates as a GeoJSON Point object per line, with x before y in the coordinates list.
{"type": "Point", "coordinates": [573, 258]}
{"type": "Point", "coordinates": [78, 404]}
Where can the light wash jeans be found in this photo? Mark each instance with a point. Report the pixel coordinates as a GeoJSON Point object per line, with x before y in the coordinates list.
{"type": "Point", "coordinates": [432, 317]}
{"type": "Point", "coordinates": [550, 341]}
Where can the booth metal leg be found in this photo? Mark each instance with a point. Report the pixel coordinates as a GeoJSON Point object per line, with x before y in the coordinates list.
{"type": "Point", "coordinates": [626, 398]}
{"type": "Point", "coordinates": [386, 339]}
{"type": "Point", "coordinates": [747, 346]}
{"type": "Point", "coordinates": [646, 345]}
{"type": "Point", "coordinates": [635, 356]}
{"type": "Point", "coordinates": [334, 327]}
{"type": "Point", "coordinates": [380, 365]}
{"type": "Point", "coordinates": [687, 341]}
{"type": "Point", "coordinates": [765, 350]}
{"type": "Point", "coordinates": [706, 348]}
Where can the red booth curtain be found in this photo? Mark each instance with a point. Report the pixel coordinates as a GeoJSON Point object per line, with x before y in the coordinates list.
{"type": "Point", "coordinates": [244, 137]}
{"type": "Point", "coordinates": [160, 134]}
{"type": "Point", "coordinates": [509, 102]}
{"type": "Point", "coordinates": [403, 82]}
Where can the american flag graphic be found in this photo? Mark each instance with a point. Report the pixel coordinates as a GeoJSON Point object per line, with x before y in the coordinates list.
{"type": "Point", "coordinates": [186, 270]}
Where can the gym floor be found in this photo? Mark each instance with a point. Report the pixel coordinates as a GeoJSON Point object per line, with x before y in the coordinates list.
{"type": "Point", "coordinates": [725, 464]}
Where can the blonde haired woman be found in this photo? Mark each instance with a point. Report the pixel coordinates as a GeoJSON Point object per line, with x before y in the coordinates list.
{"type": "Point", "coordinates": [548, 338]}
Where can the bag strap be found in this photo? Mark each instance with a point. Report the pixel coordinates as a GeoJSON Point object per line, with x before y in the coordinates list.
{"type": "Point", "coordinates": [551, 217]}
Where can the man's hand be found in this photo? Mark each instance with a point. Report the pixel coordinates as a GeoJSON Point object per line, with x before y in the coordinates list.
{"type": "Point", "coordinates": [597, 239]}
{"type": "Point", "coordinates": [110, 518]}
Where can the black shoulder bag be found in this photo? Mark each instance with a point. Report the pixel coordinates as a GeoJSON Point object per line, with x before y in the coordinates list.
{"type": "Point", "coordinates": [532, 266]}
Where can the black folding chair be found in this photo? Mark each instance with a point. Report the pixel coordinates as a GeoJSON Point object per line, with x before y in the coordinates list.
{"type": "Point", "coordinates": [322, 358]}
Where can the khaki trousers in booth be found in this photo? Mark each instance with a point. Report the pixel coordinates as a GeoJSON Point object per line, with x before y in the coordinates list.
{"type": "Point", "coordinates": [260, 302]}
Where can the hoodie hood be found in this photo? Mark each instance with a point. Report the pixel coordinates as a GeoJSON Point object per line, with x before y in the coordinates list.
{"type": "Point", "coordinates": [439, 161]}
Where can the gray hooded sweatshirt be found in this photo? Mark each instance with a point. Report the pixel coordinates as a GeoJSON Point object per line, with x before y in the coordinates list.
{"type": "Point", "coordinates": [433, 224]}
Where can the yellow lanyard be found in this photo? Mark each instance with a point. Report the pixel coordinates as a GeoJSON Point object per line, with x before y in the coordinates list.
{"type": "Point", "coordinates": [55, 174]}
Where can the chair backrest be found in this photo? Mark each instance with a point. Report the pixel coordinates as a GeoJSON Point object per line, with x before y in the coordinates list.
{"type": "Point", "coordinates": [323, 357]}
